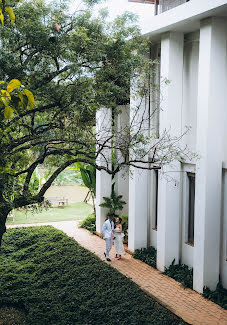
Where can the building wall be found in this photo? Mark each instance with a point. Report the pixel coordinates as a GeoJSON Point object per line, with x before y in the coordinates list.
{"type": "Point", "coordinates": [196, 65]}
{"type": "Point", "coordinates": [188, 118]}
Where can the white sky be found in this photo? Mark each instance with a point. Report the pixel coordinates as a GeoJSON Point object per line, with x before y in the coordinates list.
{"type": "Point", "coordinates": [117, 7]}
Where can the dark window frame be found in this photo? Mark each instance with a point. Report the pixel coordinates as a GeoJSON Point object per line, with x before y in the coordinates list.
{"type": "Point", "coordinates": [191, 208]}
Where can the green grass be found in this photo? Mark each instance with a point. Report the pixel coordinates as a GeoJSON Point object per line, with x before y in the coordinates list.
{"type": "Point", "coordinates": [75, 211]}
{"type": "Point", "coordinates": [52, 280]}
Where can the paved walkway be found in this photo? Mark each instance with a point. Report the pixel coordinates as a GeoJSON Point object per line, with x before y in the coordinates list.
{"type": "Point", "coordinates": [185, 303]}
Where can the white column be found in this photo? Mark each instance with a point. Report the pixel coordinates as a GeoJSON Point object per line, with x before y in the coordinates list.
{"type": "Point", "coordinates": [168, 235]}
{"type": "Point", "coordinates": [210, 137]}
{"type": "Point", "coordinates": [138, 178]}
{"type": "Point", "coordinates": [137, 231]}
{"type": "Point", "coordinates": [122, 177]}
{"type": "Point", "coordinates": [103, 179]}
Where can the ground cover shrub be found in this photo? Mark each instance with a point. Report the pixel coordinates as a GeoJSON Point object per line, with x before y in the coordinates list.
{"type": "Point", "coordinates": [146, 255]}
{"type": "Point", "coordinates": [181, 273]}
{"type": "Point", "coordinates": [57, 282]}
{"type": "Point", "coordinates": [12, 316]}
{"type": "Point", "coordinates": [89, 223]}
{"type": "Point", "coordinates": [219, 296]}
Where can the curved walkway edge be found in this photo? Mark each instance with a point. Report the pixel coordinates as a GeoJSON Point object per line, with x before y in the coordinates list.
{"type": "Point", "coordinates": [185, 303]}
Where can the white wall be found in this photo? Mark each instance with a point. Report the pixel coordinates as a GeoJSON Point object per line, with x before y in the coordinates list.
{"type": "Point", "coordinates": [223, 262]}
{"type": "Point", "coordinates": [103, 179]}
{"type": "Point", "coordinates": [190, 89]}
{"type": "Point", "coordinates": [122, 177]}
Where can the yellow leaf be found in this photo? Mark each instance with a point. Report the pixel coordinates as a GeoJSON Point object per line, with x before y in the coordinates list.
{"type": "Point", "coordinates": [30, 97]}
{"type": "Point", "coordinates": [13, 84]}
{"type": "Point", "coordinates": [8, 111]}
{"type": "Point", "coordinates": [11, 14]}
{"type": "Point", "coordinates": [5, 97]}
{"type": "Point", "coordinates": [2, 82]}
{"type": "Point", "coordinates": [1, 17]}
{"type": "Point", "coordinates": [20, 95]}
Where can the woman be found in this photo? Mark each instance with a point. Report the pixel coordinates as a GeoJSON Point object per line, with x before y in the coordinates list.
{"type": "Point", "coordinates": [118, 242]}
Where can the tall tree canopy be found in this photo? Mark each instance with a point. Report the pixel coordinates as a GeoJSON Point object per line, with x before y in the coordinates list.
{"type": "Point", "coordinates": [73, 64]}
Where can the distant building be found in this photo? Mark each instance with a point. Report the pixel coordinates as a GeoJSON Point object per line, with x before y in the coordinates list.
{"type": "Point", "coordinates": [185, 219]}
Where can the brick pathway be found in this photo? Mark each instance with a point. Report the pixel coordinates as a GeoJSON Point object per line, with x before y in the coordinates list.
{"type": "Point", "coordinates": [185, 303]}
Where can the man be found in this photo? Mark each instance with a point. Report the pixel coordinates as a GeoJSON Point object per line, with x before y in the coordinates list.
{"type": "Point", "coordinates": [107, 231]}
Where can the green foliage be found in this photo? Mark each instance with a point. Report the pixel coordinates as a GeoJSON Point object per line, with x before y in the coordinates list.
{"type": "Point", "coordinates": [219, 296]}
{"type": "Point", "coordinates": [113, 203]}
{"type": "Point", "coordinates": [181, 273]}
{"type": "Point", "coordinates": [68, 177]}
{"type": "Point", "coordinates": [73, 70]}
{"type": "Point", "coordinates": [88, 174]}
{"type": "Point", "coordinates": [124, 222]}
{"type": "Point", "coordinates": [12, 316]}
{"type": "Point", "coordinates": [56, 281]}
{"type": "Point", "coordinates": [89, 223]}
{"type": "Point", "coordinates": [147, 255]}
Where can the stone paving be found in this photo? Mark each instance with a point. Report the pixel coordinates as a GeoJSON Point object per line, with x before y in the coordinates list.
{"type": "Point", "coordinates": [185, 303]}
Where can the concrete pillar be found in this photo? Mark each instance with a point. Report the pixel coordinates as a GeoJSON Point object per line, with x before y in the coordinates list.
{"type": "Point", "coordinates": [138, 209]}
{"type": "Point", "coordinates": [122, 177]}
{"type": "Point", "coordinates": [103, 179]}
{"type": "Point", "coordinates": [138, 178]}
{"type": "Point", "coordinates": [168, 236]}
{"type": "Point", "coordinates": [210, 128]}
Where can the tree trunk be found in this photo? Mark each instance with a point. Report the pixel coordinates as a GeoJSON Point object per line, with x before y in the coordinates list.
{"type": "Point", "coordinates": [93, 202]}
{"type": "Point", "coordinates": [4, 211]}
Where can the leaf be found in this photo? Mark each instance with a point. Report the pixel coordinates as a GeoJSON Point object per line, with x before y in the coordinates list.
{"type": "Point", "coordinates": [5, 97]}
{"type": "Point", "coordinates": [1, 17]}
{"type": "Point", "coordinates": [31, 99]}
{"type": "Point", "coordinates": [8, 112]}
{"type": "Point", "coordinates": [85, 178]}
{"type": "Point", "coordinates": [13, 84]}
{"type": "Point", "coordinates": [11, 14]}
{"type": "Point", "coordinates": [2, 82]}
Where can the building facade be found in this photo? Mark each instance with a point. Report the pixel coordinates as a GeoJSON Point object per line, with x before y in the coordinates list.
{"type": "Point", "coordinates": [184, 219]}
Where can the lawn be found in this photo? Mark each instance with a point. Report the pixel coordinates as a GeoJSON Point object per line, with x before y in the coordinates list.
{"type": "Point", "coordinates": [75, 211]}
{"type": "Point", "coordinates": [48, 278]}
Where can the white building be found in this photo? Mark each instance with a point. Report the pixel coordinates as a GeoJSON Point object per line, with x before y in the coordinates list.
{"type": "Point", "coordinates": [185, 219]}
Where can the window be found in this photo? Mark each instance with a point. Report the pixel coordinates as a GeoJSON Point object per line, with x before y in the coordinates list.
{"type": "Point", "coordinates": [191, 207]}
{"type": "Point", "coordinates": [155, 200]}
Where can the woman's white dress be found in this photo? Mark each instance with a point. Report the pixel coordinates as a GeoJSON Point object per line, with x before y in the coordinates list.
{"type": "Point", "coordinates": [118, 242]}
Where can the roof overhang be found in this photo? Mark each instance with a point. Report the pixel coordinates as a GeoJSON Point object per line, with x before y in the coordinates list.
{"type": "Point", "coordinates": [185, 18]}
{"type": "Point", "coordinates": [143, 1]}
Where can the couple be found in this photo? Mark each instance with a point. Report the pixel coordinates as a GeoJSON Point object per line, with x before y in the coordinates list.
{"type": "Point", "coordinates": [113, 232]}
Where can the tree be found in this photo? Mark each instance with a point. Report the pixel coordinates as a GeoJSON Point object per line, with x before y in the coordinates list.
{"type": "Point", "coordinates": [113, 203]}
{"type": "Point", "coordinates": [74, 65]}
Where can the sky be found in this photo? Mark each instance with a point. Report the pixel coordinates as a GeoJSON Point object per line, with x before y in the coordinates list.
{"type": "Point", "coordinates": [117, 7]}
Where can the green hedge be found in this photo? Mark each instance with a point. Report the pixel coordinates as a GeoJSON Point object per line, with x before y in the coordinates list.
{"type": "Point", "coordinates": [219, 296]}
{"type": "Point", "coordinates": [146, 255]}
{"type": "Point", "coordinates": [89, 223]}
{"type": "Point", "coordinates": [181, 273]}
{"type": "Point", "coordinates": [57, 282]}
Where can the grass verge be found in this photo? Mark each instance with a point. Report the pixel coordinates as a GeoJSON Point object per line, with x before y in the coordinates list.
{"type": "Point", "coordinates": [55, 281]}
{"type": "Point", "coordinates": [75, 211]}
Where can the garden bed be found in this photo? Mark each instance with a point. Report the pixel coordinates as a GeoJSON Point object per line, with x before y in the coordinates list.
{"type": "Point", "coordinates": [51, 279]}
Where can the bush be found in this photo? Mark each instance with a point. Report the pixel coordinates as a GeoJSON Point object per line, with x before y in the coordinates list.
{"type": "Point", "coordinates": [219, 296]}
{"type": "Point", "coordinates": [124, 222]}
{"type": "Point", "coordinates": [147, 255]}
{"type": "Point", "coordinates": [57, 282]}
{"type": "Point", "coordinates": [89, 223]}
{"type": "Point", "coordinates": [181, 273]}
